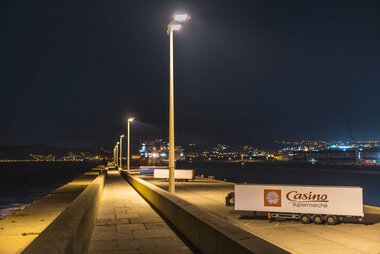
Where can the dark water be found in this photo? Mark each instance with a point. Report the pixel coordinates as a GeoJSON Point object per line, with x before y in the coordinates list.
{"type": "Point", "coordinates": [367, 177]}
{"type": "Point", "coordinates": [22, 183]}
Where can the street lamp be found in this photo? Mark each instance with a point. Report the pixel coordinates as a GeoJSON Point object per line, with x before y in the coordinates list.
{"type": "Point", "coordinates": [121, 151]}
{"type": "Point", "coordinates": [117, 154]}
{"type": "Point", "coordinates": [130, 120]}
{"type": "Point", "coordinates": [173, 26]}
{"type": "Point", "coordinates": [114, 155]}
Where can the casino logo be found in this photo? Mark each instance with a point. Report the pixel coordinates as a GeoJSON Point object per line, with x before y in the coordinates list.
{"type": "Point", "coordinates": [272, 198]}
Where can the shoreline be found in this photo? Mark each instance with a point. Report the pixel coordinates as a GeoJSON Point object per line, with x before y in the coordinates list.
{"type": "Point", "coordinates": [13, 209]}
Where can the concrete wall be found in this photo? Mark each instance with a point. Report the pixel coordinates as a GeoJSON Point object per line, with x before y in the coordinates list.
{"type": "Point", "coordinates": [206, 232]}
{"type": "Point", "coordinates": [371, 214]}
{"type": "Point", "coordinates": [71, 231]}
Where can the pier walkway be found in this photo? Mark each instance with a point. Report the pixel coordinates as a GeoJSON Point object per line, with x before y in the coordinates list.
{"type": "Point", "coordinates": [126, 223]}
{"type": "Point", "coordinates": [289, 235]}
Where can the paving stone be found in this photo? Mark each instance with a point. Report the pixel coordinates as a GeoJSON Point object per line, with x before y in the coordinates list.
{"type": "Point", "coordinates": [166, 250]}
{"type": "Point", "coordinates": [145, 220]}
{"type": "Point", "coordinates": [168, 241]}
{"type": "Point", "coordinates": [121, 216]}
{"type": "Point", "coordinates": [106, 216]}
{"type": "Point", "coordinates": [136, 244]}
{"type": "Point", "coordinates": [120, 210]}
{"type": "Point", "coordinates": [151, 233]}
{"type": "Point", "coordinates": [129, 227]}
{"type": "Point", "coordinates": [152, 225]}
{"type": "Point", "coordinates": [127, 215]}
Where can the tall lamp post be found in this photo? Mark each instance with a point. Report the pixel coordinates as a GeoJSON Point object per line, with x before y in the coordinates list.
{"type": "Point", "coordinates": [130, 120]}
{"type": "Point", "coordinates": [121, 151]}
{"type": "Point", "coordinates": [173, 26]}
{"type": "Point", "coordinates": [114, 155]}
{"type": "Point", "coordinates": [117, 154]}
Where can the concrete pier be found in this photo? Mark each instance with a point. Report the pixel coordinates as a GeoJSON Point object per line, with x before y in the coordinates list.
{"type": "Point", "coordinates": [289, 235]}
{"type": "Point", "coordinates": [99, 214]}
{"type": "Point", "coordinates": [125, 223]}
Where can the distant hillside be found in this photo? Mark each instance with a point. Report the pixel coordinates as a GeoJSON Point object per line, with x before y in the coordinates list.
{"type": "Point", "coordinates": [23, 152]}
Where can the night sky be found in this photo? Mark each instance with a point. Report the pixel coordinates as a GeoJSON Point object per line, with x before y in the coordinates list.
{"type": "Point", "coordinates": [72, 71]}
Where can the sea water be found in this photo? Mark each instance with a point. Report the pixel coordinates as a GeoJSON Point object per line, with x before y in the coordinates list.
{"type": "Point", "coordinates": [21, 183]}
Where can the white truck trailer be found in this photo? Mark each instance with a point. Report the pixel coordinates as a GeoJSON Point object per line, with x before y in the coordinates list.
{"type": "Point", "coordinates": [318, 204]}
{"type": "Point", "coordinates": [179, 174]}
{"type": "Point", "coordinates": [145, 170]}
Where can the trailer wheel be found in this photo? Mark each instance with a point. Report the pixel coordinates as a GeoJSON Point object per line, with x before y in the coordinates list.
{"type": "Point", "coordinates": [305, 218]}
{"type": "Point", "coordinates": [317, 219]}
{"type": "Point", "coordinates": [331, 219]}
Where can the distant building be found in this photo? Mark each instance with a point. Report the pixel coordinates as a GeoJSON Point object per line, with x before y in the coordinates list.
{"type": "Point", "coordinates": [370, 154]}
{"type": "Point", "coordinates": [221, 152]}
{"type": "Point", "coordinates": [343, 154]}
{"type": "Point", "coordinates": [324, 155]}
{"type": "Point", "coordinates": [157, 151]}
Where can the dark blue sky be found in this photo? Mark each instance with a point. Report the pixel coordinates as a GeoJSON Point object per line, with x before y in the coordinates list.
{"type": "Point", "coordinates": [245, 71]}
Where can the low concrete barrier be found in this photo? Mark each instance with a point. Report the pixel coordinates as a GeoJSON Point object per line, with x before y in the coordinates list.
{"type": "Point", "coordinates": [371, 214]}
{"type": "Point", "coordinates": [70, 232]}
{"type": "Point", "coordinates": [206, 232]}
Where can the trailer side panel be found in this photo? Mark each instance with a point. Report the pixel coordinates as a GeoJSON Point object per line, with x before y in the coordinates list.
{"type": "Point", "coordinates": [334, 200]}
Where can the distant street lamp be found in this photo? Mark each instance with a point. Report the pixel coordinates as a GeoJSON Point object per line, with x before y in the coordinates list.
{"type": "Point", "coordinates": [117, 154]}
{"type": "Point", "coordinates": [173, 26]}
{"type": "Point", "coordinates": [130, 120]}
{"type": "Point", "coordinates": [115, 161]}
{"type": "Point", "coordinates": [114, 155]}
{"type": "Point", "coordinates": [121, 151]}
